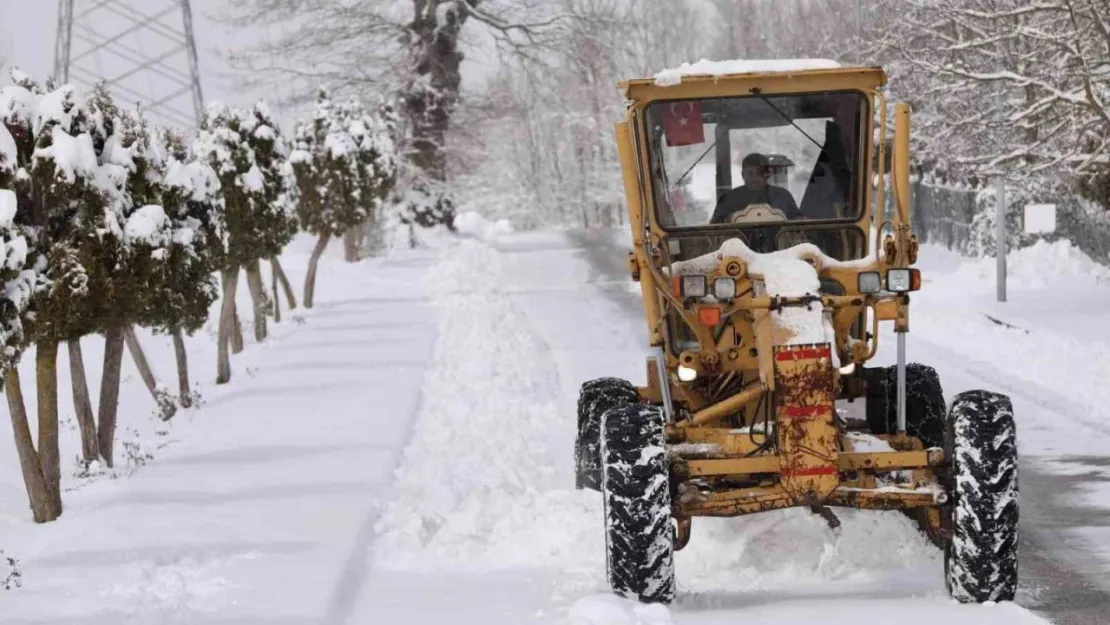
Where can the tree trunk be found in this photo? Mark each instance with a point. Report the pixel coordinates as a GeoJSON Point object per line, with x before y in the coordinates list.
{"type": "Point", "coordinates": [275, 262]}
{"type": "Point", "coordinates": [186, 393]}
{"type": "Point", "coordinates": [237, 329]}
{"type": "Point", "coordinates": [313, 263]}
{"type": "Point", "coordinates": [227, 326]}
{"type": "Point", "coordinates": [352, 244]}
{"type": "Point", "coordinates": [29, 462]}
{"type": "Point", "coordinates": [109, 392]}
{"type": "Point", "coordinates": [258, 298]}
{"type": "Point", "coordinates": [46, 379]}
{"type": "Point", "coordinates": [375, 235]}
{"type": "Point", "coordinates": [161, 397]}
{"type": "Point", "coordinates": [429, 99]}
{"type": "Point", "coordinates": [276, 310]}
{"type": "Point", "coordinates": [82, 405]}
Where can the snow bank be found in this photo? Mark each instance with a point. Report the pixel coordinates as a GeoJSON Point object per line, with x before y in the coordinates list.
{"type": "Point", "coordinates": [669, 77]}
{"type": "Point", "coordinates": [1040, 265]}
{"type": "Point", "coordinates": [480, 487]}
{"type": "Point", "coordinates": [474, 224]}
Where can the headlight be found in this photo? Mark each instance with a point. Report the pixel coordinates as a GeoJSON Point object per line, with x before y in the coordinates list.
{"type": "Point", "coordinates": [693, 286]}
{"type": "Point", "coordinates": [724, 288]}
{"type": "Point", "coordinates": [903, 280]}
{"type": "Point", "coordinates": [686, 374]}
{"type": "Point", "coordinates": [869, 282]}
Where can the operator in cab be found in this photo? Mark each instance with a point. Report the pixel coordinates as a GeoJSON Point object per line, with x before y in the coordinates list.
{"type": "Point", "coordinates": [755, 190]}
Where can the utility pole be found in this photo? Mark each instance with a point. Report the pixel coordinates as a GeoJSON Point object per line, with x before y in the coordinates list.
{"type": "Point", "coordinates": [1000, 239]}
{"type": "Point", "coordinates": [143, 49]}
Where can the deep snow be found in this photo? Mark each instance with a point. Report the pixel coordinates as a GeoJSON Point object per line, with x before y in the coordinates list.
{"type": "Point", "coordinates": [402, 453]}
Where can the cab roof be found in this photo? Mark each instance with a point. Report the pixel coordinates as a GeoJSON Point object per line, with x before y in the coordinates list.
{"type": "Point", "coordinates": [736, 78]}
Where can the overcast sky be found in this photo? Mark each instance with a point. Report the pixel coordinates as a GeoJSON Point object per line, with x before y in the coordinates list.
{"type": "Point", "coordinates": [28, 27]}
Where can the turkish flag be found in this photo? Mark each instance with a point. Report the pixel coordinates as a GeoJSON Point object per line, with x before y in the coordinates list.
{"type": "Point", "coordinates": [682, 124]}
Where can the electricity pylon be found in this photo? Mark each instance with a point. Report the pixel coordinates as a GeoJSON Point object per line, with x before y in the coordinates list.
{"type": "Point", "coordinates": [143, 49]}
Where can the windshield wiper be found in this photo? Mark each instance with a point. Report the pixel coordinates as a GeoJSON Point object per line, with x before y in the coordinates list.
{"type": "Point", "coordinates": [759, 94]}
{"type": "Point", "coordinates": [696, 161]}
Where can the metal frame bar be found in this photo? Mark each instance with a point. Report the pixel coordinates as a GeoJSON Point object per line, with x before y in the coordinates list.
{"type": "Point", "coordinates": [177, 64]}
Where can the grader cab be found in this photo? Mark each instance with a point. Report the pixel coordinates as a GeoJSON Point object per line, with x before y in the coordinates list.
{"type": "Point", "coordinates": [767, 263]}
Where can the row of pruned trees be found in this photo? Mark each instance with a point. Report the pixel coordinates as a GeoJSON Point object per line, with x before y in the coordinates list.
{"type": "Point", "coordinates": [108, 224]}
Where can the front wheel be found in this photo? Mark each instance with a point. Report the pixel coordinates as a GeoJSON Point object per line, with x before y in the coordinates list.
{"type": "Point", "coordinates": [636, 488]}
{"type": "Point", "coordinates": [980, 562]}
{"type": "Point", "coordinates": [594, 399]}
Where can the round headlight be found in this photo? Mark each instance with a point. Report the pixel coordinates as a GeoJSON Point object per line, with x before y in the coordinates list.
{"type": "Point", "coordinates": [686, 374]}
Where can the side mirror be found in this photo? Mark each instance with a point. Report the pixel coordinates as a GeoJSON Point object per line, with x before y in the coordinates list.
{"type": "Point", "coordinates": [1039, 219]}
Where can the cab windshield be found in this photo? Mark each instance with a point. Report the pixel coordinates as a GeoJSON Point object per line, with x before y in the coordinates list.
{"type": "Point", "coordinates": [756, 160]}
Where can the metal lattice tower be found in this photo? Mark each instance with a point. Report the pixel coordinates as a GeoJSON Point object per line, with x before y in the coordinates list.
{"type": "Point", "coordinates": [143, 49]}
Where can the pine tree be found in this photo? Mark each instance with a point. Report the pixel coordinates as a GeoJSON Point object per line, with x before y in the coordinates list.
{"type": "Point", "coordinates": [246, 151]}
{"type": "Point", "coordinates": [18, 110]}
{"type": "Point", "coordinates": [185, 290]}
{"type": "Point", "coordinates": [71, 203]}
{"type": "Point", "coordinates": [344, 167]}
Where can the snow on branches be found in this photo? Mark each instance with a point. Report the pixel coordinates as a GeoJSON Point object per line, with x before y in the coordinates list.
{"type": "Point", "coordinates": [344, 165]}
{"type": "Point", "coordinates": [249, 156]}
{"type": "Point", "coordinates": [1007, 85]}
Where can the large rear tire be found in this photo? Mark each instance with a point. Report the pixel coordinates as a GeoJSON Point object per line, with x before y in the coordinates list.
{"type": "Point", "coordinates": [925, 405]}
{"type": "Point", "coordinates": [594, 399]}
{"type": "Point", "coordinates": [981, 562]}
{"type": "Point", "coordinates": [639, 535]}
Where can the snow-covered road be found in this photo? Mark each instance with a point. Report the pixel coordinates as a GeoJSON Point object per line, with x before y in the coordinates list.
{"type": "Point", "coordinates": [402, 454]}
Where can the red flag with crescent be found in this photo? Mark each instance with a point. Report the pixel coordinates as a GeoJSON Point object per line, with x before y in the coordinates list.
{"type": "Point", "coordinates": [682, 123]}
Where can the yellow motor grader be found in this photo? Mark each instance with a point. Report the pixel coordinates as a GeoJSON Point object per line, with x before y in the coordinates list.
{"type": "Point", "coordinates": [764, 297]}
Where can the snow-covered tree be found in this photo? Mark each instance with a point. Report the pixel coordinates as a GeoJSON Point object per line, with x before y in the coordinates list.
{"type": "Point", "coordinates": [18, 108]}
{"type": "Point", "coordinates": [71, 203]}
{"type": "Point", "coordinates": [344, 168]}
{"type": "Point", "coordinates": [274, 201]}
{"type": "Point", "coordinates": [186, 288]}
{"type": "Point", "coordinates": [246, 150]}
{"type": "Point", "coordinates": [1006, 85]}
{"type": "Point", "coordinates": [412, 48]}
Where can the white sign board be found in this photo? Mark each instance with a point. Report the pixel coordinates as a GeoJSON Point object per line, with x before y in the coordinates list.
{"type": "Point", "coordinates": [1039, 218]}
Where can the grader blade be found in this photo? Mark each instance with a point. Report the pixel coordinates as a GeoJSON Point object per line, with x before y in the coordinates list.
{"type": "Point", "coordinates": [806, 434]}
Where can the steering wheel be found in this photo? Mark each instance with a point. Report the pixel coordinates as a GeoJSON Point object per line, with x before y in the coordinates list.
{"type": "Point", "coordinates": [762, 238]}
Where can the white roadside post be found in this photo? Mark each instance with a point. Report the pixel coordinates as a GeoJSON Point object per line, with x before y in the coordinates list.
{"type": "Point", "coordinates": [1000, 239]}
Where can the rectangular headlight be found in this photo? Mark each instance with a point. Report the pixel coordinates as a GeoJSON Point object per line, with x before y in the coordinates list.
{"type": "Point", "coordinates": [869, 282]}
{"type": "Point", "coordinates": [903, 280]}
{"type": "Point", "coordinates": [724, 288]}
{"type": "Point", "coordinates": [693, 286]}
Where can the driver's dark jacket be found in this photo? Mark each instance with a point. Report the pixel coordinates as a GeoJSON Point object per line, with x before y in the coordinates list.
{"type": "Point", "coordinates": [744, 196]}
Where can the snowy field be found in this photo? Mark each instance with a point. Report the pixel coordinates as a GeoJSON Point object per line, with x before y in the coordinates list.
{"type": "Point", "coordinates": [403, 454]}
